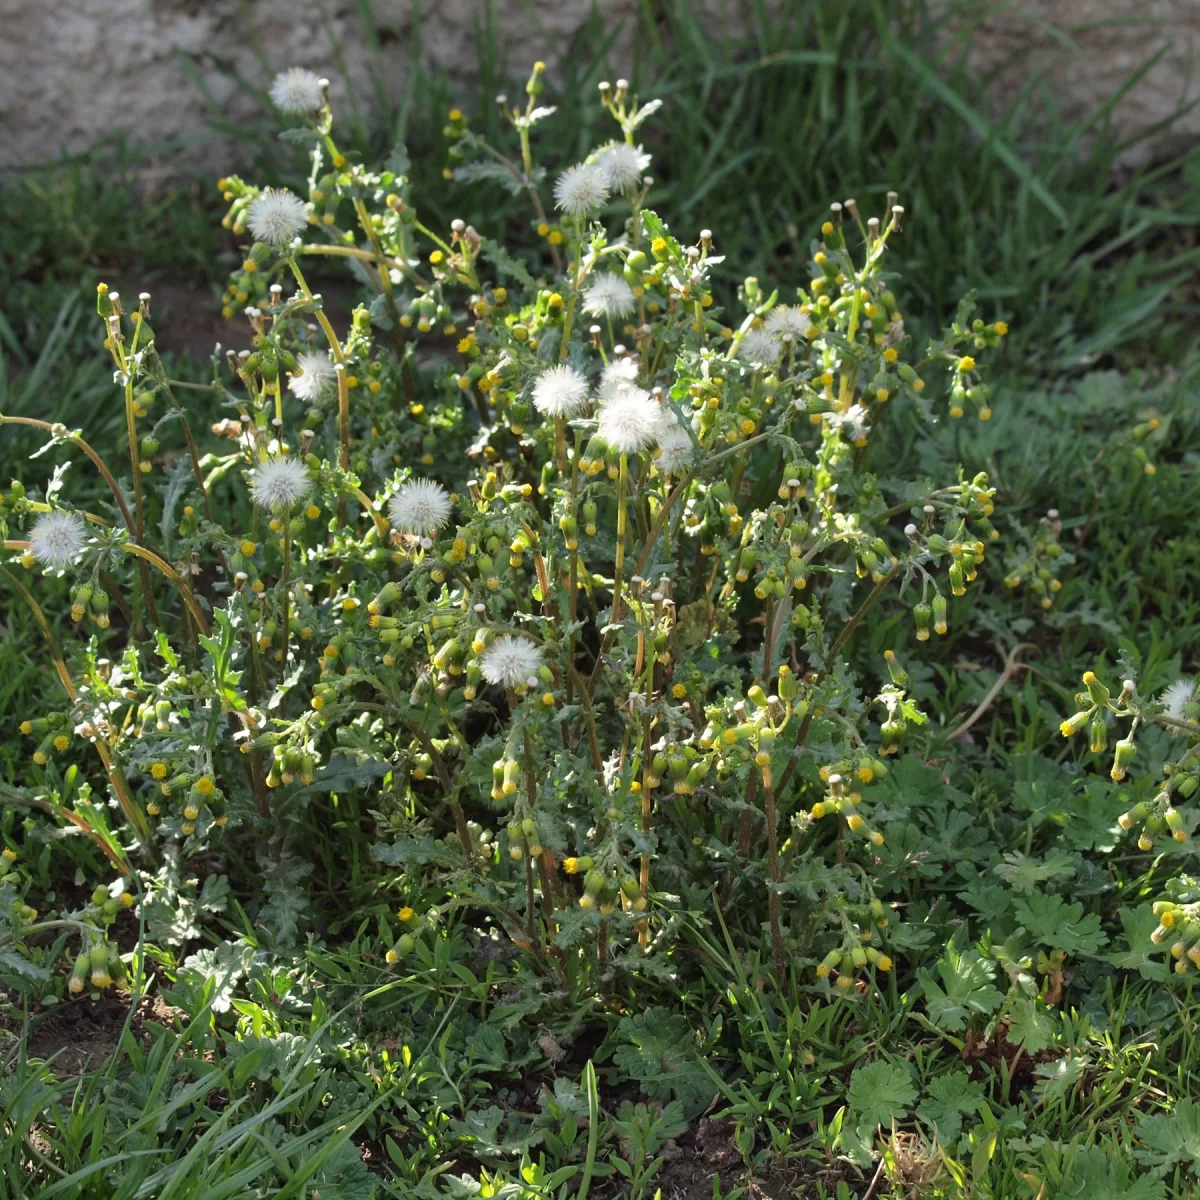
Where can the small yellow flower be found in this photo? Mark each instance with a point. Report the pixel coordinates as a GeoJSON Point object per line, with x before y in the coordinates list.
{"type": "Point", "coordinates": [61, 742]}
{"type": "Point", "coordinates": [1001, 328]}
{"type": "Point", "coordinates": [248, 547]}
{"type": "Point", "coordinates": [543, 229]}
{"type": "Point", "coordinates": [966, 363]}
{"type": "Point", "coordinates": [204, 785]}
{"type": "Point", "coordinates": [455, 114]}
{"type": "Point", "coordinates": [555, 238]}
{"type": "Point", "coordinates": [406, 914]}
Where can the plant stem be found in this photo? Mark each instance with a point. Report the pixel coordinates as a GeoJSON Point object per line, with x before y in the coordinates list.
{"type": "Point", "coordinates": [619, 563]}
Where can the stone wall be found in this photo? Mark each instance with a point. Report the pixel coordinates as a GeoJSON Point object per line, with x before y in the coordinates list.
{"type": "Point", "coordinates": [74, 71]}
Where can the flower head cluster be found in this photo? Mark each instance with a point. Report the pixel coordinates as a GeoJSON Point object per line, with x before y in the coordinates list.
{"type": "Point", "coordinates": [610, 296]}
{"type": "Point", "coordinates": [56, 538]}
{"type": "Point", "coordinates": [511, 661]}
{"type": "Point", "coordinates": [317, 378]}
{"type": "Point", "coordinates": [623, 165]}
{"type": "Point", "coordinates": [279, 483]}
{"type": "Point", "coordinates": [581, 190]}
{"type": "Point", "coordinates": [297, 91]}
{"type": "Point", "coordinates": [560, 392]}
{"type": "Point", "coordinates": [276, 217]}
{"type": "Point", "coordinates": [420, 507]}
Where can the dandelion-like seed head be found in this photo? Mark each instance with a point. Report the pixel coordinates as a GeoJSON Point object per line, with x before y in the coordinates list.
{"type": "Point", "coordinates": [420, 507]}
{"type": "Point", "coordinates": [610, 296]}
{"type": "Point", "coordinates": [1177, 697]}
{"type": "Point", "coordinates": [276, 217]}
{"type": "Point", "coordinates": [630, 422]}
{"type": "Point", "coordinates": [560, 392]}
{"type": "Point", "coordinates": [297, 91]}
{"type": "Point", "coordinates": [623, 165]}
{"type": "Point", "coordinates": [580, 190]}
{"type": "Point", "coordinates": [618, 376]}
{"type": "Point", "coordinates": [853, 422]}
{"type": "Point", "coordinates": [759, 347]}
{"type": "Point", "coordinates": [787, 320]}
{"type": "Point", "coordinates": [674, 449]}
{"type": "Point", "coordinates": [317, 379]}
{"type": "Point", "coordinates": [279, 483]}
{"type": "Point", "coordinates": [511, 661]}
{"type": "Point", "coordinates": [56, 538]}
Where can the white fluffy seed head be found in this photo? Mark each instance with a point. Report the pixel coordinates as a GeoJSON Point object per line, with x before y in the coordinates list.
{"type": "Point", "coordinates": [786, 320]}
{"type": "Point", "coordinates": [297, 91]}
{"type": "Point", "coordinates": [622, 165]}
{"type": "Point", "coordinates": [630, 422]}
{"type": "Point", "coordinates": [560, 392]}
{"type": "Point", "coordinates": [56, 538]}
{"type": "Point", "coordinates": [618, 376]}
{"type": "Point", "coordinates": [279, 483]}
{"type": "Point", "coordinates": [759, 347]}
{"type": "Point", "coordinates": [580, 190]}
{"type": "Point", "coordinates": [317, 379]}
{"type": "Point", "coordinates": [511, 661]}
{"type": "Point", "coordinates": [675, 450]}
{"type": "Point", "coordinates": [608, 295]}
{"type": "Point", "coordinates": [420, 507]}
{"type": "Point", "coordinates": [1177, 697]}
{"type": "Point", "coordinates": [276, 217]}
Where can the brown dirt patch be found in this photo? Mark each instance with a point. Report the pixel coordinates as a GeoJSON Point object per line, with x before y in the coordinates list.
{"type": "Point", "coordinates": [81, 1035]}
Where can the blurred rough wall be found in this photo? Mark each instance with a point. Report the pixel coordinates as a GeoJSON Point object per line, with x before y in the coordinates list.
{"type": "Point", "coordinates": [73, 71]}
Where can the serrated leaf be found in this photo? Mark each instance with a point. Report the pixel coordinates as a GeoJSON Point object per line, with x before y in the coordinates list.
{"type": "Point", "coordinates": [1051, 921]}
{"type": "Point", "coordinates": [1141, 955]}
{"type": "Point", "coordinates": [966, 988]}
{"type": "Point", "coordinates": [18, 964]}
{"type": "Point", "coordinates": [950, 1099]}
{"type": "Point", "coordinates": [880, 1093]}
{"type": "Point", "coordinates": [1097, 1173]}
{"type": "Point", "coordinates": [1167, 1139]}
{"type": "Point", "coordinates": [660, 1053]}
{"type": "Point", "coordinates": [1030, 1027]}
{"type": "Point", "coordinates": [1026, 874]}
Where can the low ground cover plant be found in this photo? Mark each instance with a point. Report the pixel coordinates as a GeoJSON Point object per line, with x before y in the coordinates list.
{"type": "Point", "coordinates": [531, 667]}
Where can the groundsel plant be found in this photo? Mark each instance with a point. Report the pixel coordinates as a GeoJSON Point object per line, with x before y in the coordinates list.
{"type": "Point", "coordinates": [574, 613]}
{"type": "Point", "coordinates": [1160, 810]}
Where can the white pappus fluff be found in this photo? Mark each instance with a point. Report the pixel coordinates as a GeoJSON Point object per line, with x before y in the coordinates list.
{"type": "Point", "coordinates": [420, 507]}
{"type": "Point", "coordinates": [623, 165]}
{"type": "Point", "coordinates": [276, 217]}
{"type": "Point", "coordinates": [511, 661]}
{"type": "Point", "coordinates": [675, 450]}
{"type": "Point", "coordinates": [297, 91]}
{"type": "Point", "coordinates": [279, 483]}
{"type": "Point", "coordinates": [560, 392]}
{"type": "Point", "coordinates": [617, 376]}
{"type": "Point", "coordinates": [759, 347]}
{"type": "Point", "coordinates": [608, 295]}
{"type": "Point", "coordinates": [786, 320]}
{"type": "Point", "coordinates": [580, 190]}
{"type": "Point", "coordinates": [317, 378]}
{"type": "Point", "coordinates": [1177, 697]}
{"type": "Point", "coordinates": [56, 538]}
{"type": "Point", "coordinates": [630, 422]}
